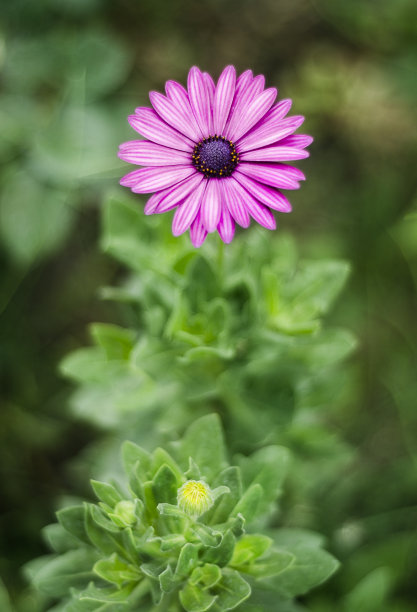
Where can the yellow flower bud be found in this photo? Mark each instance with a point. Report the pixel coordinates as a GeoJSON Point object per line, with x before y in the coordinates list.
{"type": "Point", "coordinates": [195, 497]}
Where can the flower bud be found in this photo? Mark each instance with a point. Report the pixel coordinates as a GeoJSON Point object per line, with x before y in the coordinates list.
{"type": "Point", "coordinates": [195, 497]}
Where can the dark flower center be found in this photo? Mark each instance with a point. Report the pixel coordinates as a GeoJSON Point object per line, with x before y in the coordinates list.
{"type": "Point", "coordinates": [215, 156]}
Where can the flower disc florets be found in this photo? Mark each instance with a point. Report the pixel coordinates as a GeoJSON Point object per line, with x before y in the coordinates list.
{"type": "Point", "coordinates": [215, 156]}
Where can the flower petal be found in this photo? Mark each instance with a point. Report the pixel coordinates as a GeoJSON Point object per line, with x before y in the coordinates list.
{"type": "Point", "coordinates": [173, 196]}
{"type": "Point", "coordinates": [246, 91]}
{"type": "Point", "coordinates": [187, 211]}
{"type": "Point", "coordinates": [211, 88]}
{"type": "Point", "coordinates": [232, 197]}
{"type": "Point", "coordinates": [273, 175]}
{"type": "Point", "coordinates": [173, 114]}
{"type": "Point", "coordinates": [198, 232]}
{"type": "Point", "coordinates": [259, 212]}
{"type": "Point", "coordinates": [266, 195]}
{"type": "Point", "coordinates": [253, 112]}
{"type": "Point", "coordinates": [274, 153]}
{"type": "Point", "coordinates": [300, 141]}
{"type": "Point", "coordinates": [211, 205]}
{"type": "Point", "coordinates": [146, 153]}
{"type": "Point", "coordinates": [223, 98]}
{"type": "Point", "coordinates": [147, 122]}
{"type": "Point", "coordinates": [152, 204]}
{"type": "Point", "coordinates": [179, 96]}
{"type": "Point", "coordinates": [199, 99]}
{"type": "Point", "coordinates": [147, 180]}
{"type": "Point", "coordinates": [270, 131]}
{"type": "Point", "coordinates": [226, 226]}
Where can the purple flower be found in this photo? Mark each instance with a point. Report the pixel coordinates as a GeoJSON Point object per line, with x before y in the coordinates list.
{"type": "Point", "coordinates": [214, 153]}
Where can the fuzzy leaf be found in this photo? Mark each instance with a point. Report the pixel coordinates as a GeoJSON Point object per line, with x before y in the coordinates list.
{"type": "Point", "coordinates": [194, 599]}
{"type": "Point", "coordinates": [203, 441]}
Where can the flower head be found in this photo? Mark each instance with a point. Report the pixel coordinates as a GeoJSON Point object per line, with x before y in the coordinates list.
{"type": "Point", "coordinates": [215, 153]}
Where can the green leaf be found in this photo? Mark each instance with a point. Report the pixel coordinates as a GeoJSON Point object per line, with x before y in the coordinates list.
{"type": "Point", "coordinates": [221, 554]}
{"type": "Point", "coordinates": [370, 594]}
{"type": "Point", "coordinates": [72, 519]}
{"type": "Point", "coordinates": [104, 534]}
{"type": "Point", "coordinates": [272, 564]}
{"type": "Point", "coordinates": [32, 227]}
{"type": "Point", "coordinates": [250, 502]}
{"type": "Point", "coordinates": [187, 560]}
{"type": "Point", "coordinates": [203, 441]}
{"type": "Point", "coordinates": [250, 547]}
{"type": "Point", "coordinates": [165, 485]}
{"type": "Point", "coordinates": [59, 539]}
{"type": "Point", "coordinates": [232, 590]}
{"type": "Point", "coordinates": [73, 569]}
{"type": "Point", "coordinates": [116, 571]}
{"type": "Point", "coordinates": [161, 457]}
{"type": "Point", "coordinates": [309, 568]}
{"type": "Point", "coordinates": [267, 467]}
{"type": "Point", "coordinates": [107, 493]}
{"type": "Point", "coordinates": [133, 454]}
{"type": "Point", "coordinates": [194, 599]}
{"type": "Point", "coordinates": [5, 605]}
{"type": "Point", "coordinates": [206, 576]}
{"type": "Point", "coordinates": [117, 342]}
{"type": "Point", "coordinates": [231, 478]}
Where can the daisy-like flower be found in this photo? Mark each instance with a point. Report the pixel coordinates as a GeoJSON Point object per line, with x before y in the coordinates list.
{"type": "Point", "coordinates": [215, 153]}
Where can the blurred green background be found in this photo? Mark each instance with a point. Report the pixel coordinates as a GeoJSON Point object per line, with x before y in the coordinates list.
{"type": "Point", "coordinates": [71, 71]}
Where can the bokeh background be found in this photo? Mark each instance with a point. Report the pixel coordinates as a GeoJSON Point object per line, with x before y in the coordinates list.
{"type": "Point", "coordinates": [71, 71]}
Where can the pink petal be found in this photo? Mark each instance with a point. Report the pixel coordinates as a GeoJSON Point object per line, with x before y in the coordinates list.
{"type": "Point", "coordinates": [275, 176]}
{"type": "Point", "coordinates": [211, 88]}
{"type": "Point", "coordinates": [274, 153]}
{"type": "Point", "coordinates": [234, 196]}
{"type": "Point", "coordinates": [175, 195]}
{"type": "Point", "coordinates": [243, 80]}
{"type": "Point", "coordinates": [226, 226]}
{"type": "Point", "coordinates": [300, 141]}
{"type": "Point", "coordinates": [146, 153]}
{"type": "Point", "coordinates": [246, 91]}
{"type": "Point", "coordinates": [211, 205]}
{"type": "Point", "coordinates": [199, 99]}
{"type": "Point", "coordinates": [260, 213]}
{"type": "Point", "coordinates": [270, 197]}
{"type": "Point", "coordinates": [152, 204]}
{"type": "Point", "coordinates": [270, 131]}
{"type": "Point", "coordinates": [253, 113]}
{"type": "Point", "coordinates": [147, 180]}
{"type": "Point", "coordinates": [223, 98]}
{"type": "Point", "coordinates": [198, 232]}
{"type": "Point", "coordinates": [173, 115]}
{"type": "Point", "coordinates": [177, 94]}
{"type": "Point", "coordinates": [147, 122]}
{"type": "Point", "coordinates": [187, 211]}
{"type": "Point", "coordinates": [259, 84]}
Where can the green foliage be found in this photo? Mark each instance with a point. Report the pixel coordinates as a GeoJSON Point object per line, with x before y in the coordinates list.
{"type": "Point", "coordinates": [241, 330]}
{"type": "Point", "coordinates": [139, 548]}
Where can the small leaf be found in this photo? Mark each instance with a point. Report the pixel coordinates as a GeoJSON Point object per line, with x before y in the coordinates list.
{"type": "Point", "coordinates": [194, 599]}
{"type": "Point", "coordinates": [106, 493]}
{"type": "Point", "coordinates": [249, 503]}
{"type": "Point", "coordinates": [72, 519]}
{"type": "Point", "coordinates": [206, 575]}
{"type": "Point", "coordinates": [250, 547]}
{"type": "Point", "coordinates": [187, 560]}
{"type": "Point", "coordinates": [221, 554]}
{"type": "Point", "coordinates": [116, 571]}
{"type": "Point", "coordinates": [203, 441]}
{"type": "Point", "coordinates": [232, 590]}
{"type": "Point", "coordinates": [116, 341]}
{"type": "Point", "coordinates": [165, 485]}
